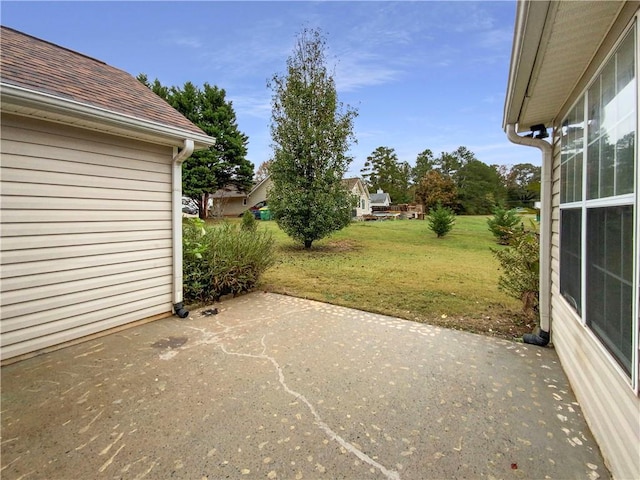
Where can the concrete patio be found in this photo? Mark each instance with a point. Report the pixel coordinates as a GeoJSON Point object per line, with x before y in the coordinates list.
{"type": "Point", "coordinates": [279, 387]}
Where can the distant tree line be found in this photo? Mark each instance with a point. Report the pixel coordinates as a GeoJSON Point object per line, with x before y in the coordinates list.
{"type": "Point", "coordinates": [456, 180]}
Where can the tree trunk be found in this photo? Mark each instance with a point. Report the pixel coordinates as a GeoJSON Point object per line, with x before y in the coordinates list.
{"type": "Point", "coordinates": [204, 206]}
{"type": "Point", "coordinates": [307, 244]}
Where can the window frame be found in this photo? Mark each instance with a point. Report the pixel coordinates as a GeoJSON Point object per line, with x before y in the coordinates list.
{"type": "Point", "coordinates": [585, 204]}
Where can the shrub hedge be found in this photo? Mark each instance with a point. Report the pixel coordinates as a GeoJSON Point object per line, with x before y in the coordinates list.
{"type": "Point", "coordinates": [222, 259]}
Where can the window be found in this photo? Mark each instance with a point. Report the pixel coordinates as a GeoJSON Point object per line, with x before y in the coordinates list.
{"type": "Point", "coordinates": [610, 279]}
{"type": "Point", "coordinates": [598, 162]}
{"type": "Point", "coordinates": [571, 257]}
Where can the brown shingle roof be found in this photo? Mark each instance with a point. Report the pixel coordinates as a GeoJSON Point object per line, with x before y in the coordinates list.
{"type": "Point", "coordinates": [35, 64]}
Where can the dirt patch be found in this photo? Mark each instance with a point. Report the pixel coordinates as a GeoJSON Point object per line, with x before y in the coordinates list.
{"type": "Point", "coordinates": [340, 246]}
{"type": "Point", "coordinates": [508, 325]}
{"type": "Point", "coordinates": [331, 246]}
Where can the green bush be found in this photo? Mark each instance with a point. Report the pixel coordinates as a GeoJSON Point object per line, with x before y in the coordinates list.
{"type": "Point", "coordinates": [222, 259]}
{"type": "Point", "coordinates": [520, 263]}
{"type": "Point", "coordinates": [441, 220]}
{"type": "Point", "coordinates": [504, 224]}
{"type": "Point", "coordinates": [249, 221]}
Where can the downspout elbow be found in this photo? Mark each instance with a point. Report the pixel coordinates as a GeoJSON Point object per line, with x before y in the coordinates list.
{"type": "Point", "coordinates": [182, 155]}
{"type": "Point", "coordinates": [542, 337]}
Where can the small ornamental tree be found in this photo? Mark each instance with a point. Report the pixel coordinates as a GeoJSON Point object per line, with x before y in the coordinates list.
{"type": "Point", "coordinates": [441, 220]}
{"type": "Point", "coordinates": [311, 133]}
{"type": "Point", "coordinates": [504, 224]}
{"type": "Point", "coordinates": [249, 222]}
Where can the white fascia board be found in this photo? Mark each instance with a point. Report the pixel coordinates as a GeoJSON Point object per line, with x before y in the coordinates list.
{"type": "Point", "coordinates": [531, 17]}
{"type": "Point", "coordinates": [23, 101]}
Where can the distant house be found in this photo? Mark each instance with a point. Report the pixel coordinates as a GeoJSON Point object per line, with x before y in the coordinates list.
{"type": "Point", "coordinates": [380, 201]}
{"type": "Point", "coordinates": [357, 187]}
{"type": "Point", "coordinates": [90, 197]}
{"type": "Point", "coordinates": [258, 195]}
{"type": "Point", "coordinates": [574, 70]}
{"type": "Point", "coordinates": [230, 202]}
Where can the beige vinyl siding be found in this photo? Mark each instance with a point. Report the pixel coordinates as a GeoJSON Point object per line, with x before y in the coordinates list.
{"type": "Point", "coordinates": [608, 402]}
{"type": "Point", "coordinates": [85, 233]}
{"type": "Point", "coordinates": [555, 216]}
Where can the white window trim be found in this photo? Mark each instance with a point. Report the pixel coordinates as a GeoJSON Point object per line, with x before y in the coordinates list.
{"type": "Point", "coordinates": [635, 367]}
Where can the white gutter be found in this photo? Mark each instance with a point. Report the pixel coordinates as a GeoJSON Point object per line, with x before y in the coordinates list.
{"type": "Point", "coordinates": [545, 222]}
{"type": "Point", "coordinates": [63, 110]}
{"type": "Point", "coordinates": [176, 222]}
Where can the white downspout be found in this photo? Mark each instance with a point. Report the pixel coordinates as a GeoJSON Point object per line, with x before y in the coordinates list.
{"type": "Point", "coordinates": [545, 222]}
{"type": "Point", "coordinates": [179, 156]}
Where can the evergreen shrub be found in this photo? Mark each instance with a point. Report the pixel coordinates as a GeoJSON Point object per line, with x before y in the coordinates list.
{"type": "Point", "coordinates": [520, 263]}
{"type": "Point", "coordinates": [249, 222]}
{"type": "Point", "coordinates": [441, 220]}
{"type": "Point", "coordinates": [504, 224]}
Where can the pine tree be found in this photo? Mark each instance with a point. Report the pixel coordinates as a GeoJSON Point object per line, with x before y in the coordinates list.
{"type": "Point", "coordinates": [222, 164]}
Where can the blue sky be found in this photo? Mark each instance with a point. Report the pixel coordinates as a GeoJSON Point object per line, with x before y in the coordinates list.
{"type": "Point", "coordinates": [421, 74]}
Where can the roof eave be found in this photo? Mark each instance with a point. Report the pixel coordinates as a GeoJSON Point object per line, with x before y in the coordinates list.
{"type": "Point", "coordinates": [529, 27]}
{"type": "Point", "coordinates": [31, 103]}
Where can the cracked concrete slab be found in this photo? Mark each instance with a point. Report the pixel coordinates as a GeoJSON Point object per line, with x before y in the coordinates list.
{"type": "Point", "coordinates": [280, 387]}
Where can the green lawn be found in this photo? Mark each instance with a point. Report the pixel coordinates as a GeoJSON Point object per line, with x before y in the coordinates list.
{"type": "Point", "coordinates": [400, 268]}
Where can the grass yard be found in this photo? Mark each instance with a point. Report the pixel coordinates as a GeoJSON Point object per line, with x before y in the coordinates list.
{"type": "Point", "coordinates": [400, 268]}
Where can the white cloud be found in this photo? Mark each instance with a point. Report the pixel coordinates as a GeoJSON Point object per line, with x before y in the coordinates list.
{"type": "Point", "coordinates": [258, 106]}
{"type": "Point", "coordinates": [362, 70]}
{"type": "Point", "coordinates": [178, 38]}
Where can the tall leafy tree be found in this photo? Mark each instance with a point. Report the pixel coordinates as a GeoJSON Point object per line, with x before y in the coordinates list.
{"type": "Point", "coordinates": [522, 182]}
{"type": "Point", "coordinates": [222, 164]}
{"type": "Point", "coordinates": [436, 189]}
{"type": "Point", "coordinates": [479, 188]}
{"type": "Point", "coordinates": [383, 170]}
{"type": "Point", "coordinates": [311, 132]}
{"type": "Point", "coordinates": [449, 163]}
{"type": "Point", "coordinates": [425, 162]}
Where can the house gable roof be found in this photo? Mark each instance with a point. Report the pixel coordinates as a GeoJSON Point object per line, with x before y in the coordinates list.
{"type": "Point", "coordinates": [380, 197]}
{"type": "Point", "coordinates": [36, 66]}
{"type": "Point", "coordinates": [554, 43]}
{"type": "Point", "coordinates": [259, 184]}
{"type": "Point", "coordinates": [351, 183]}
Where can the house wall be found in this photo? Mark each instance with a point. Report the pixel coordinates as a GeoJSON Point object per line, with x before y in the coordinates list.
{"type": "Point", "coordinates": [609, 402]}
{"type": "Point", "coordinates": [230, 206]}
{"type": "Point", "coordinates": [85, 230]}
{"type": "Point", "coordinates": [361, 193]}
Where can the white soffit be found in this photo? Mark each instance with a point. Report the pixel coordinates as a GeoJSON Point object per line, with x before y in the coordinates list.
{"type": "Point", "coordinates": [571, 36]}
